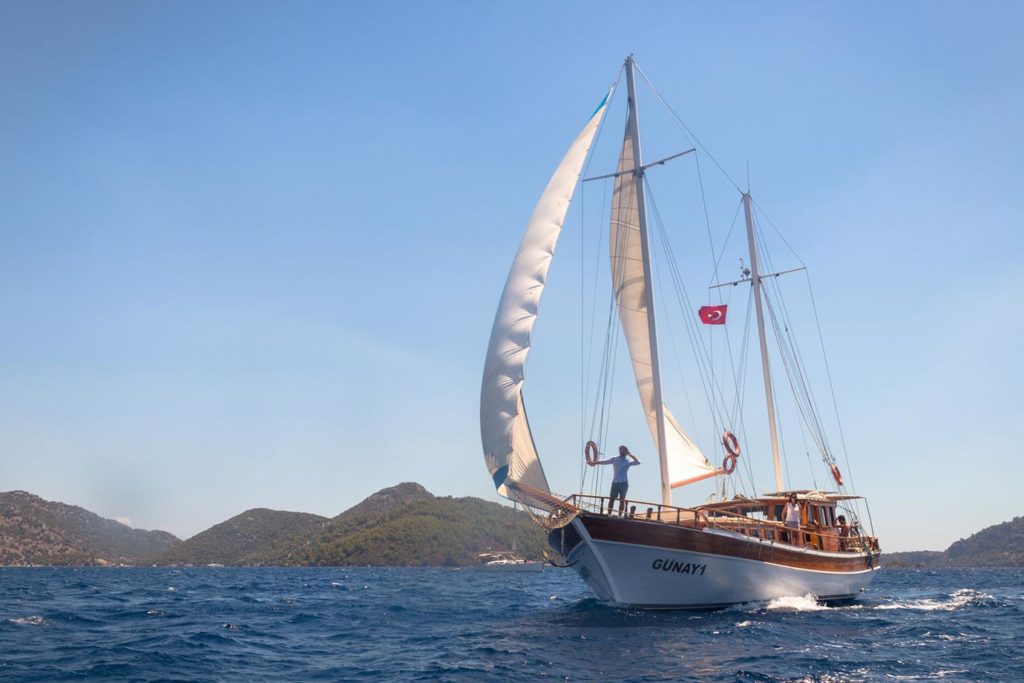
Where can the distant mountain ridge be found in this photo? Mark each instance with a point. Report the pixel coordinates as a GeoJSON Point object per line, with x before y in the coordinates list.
{"type": "Point", "coordinates": [403, 525]}
{"type": "Point", "coordinates": [34, 531]}
{"type": "Point", "coordinates": [1000, 545]}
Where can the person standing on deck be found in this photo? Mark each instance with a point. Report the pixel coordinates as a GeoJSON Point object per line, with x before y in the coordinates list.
{"type": "Point", "coordinates": [844, 533]}
{"type": "Point", "coordinates": [620, 479]}
{"type": "Point", "coordinates": [791, 515]}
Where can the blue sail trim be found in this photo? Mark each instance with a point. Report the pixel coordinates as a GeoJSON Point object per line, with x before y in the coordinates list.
{"type": "Point", "coordinates": [601, 106]}
{"type": "Point", "coordinates": [500, 475]}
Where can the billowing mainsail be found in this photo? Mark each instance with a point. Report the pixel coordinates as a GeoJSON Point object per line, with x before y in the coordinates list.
{"type": "Point", "coordinates": [686, 463]}
{"type": "Point", "coordinates": [509, 450]}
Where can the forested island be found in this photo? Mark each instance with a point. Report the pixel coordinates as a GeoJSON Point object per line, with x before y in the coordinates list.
{"type": "Point", "coordinates": [404, 525]}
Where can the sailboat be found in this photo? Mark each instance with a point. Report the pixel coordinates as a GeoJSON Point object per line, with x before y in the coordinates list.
{"type": "Point", "coordinates": [724, 551]}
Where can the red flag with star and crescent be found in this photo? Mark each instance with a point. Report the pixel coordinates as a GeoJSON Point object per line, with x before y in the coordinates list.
{"type": "Point", "coordinates": [713, 315]}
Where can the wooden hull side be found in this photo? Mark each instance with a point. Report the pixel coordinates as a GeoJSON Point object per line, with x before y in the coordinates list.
{"type": "Point", "coordinates": [637, 563]}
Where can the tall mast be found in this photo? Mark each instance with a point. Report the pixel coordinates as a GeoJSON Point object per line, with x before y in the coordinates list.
{"type": "Point", "coordinates": [638, 177]}
{"type": "Point", "coordinates": [755, 278]}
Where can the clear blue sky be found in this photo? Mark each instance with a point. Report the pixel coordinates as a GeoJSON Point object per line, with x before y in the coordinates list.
{"type": "Point", "coordinates": [250, 251]}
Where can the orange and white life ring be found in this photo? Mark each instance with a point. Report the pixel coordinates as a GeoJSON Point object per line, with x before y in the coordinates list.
{"type": "Point", "coordinates": [729, 464]}
{"type": "Point", "coordinates": [731, 443]}
{"type": "Point", "coordinates": [590, 453]}
{"type": "Point", "coordinates": [836, 474]}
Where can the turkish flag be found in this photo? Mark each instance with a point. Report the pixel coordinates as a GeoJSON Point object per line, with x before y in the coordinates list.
{"type": "Point", "coordinates": [712, 315]}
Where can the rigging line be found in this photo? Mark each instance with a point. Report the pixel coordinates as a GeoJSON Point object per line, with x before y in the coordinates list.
{"type": "Point", "coordinates": [774, 285]}
{"type": "Point", "coordinates": [777, 231]}
{"type": "Point", "coordinates": [679, 366]}
{"type": "Point", "coordinates": [793, 348]}
{"type": "Point", "coordinates": [831, 387]}
{"type": "Point", "coordinates": [794, 365]}
{"type": "Point", "coordinates": [741, 389]}
{"type": "Point", "coordinates": [700, 352]}
{"type": "Point", "coordinates": [732, 226]}
{"type": "Point", "coordinates": [782, 442]}
{"type": "Point", "coordinates": [686, 314]}
{"type": "Point", "coordinates": [585, 358]}
{"type": "Point", "coordinates": [594, 298]}
{"type": "Point", "coordinates": [608, 360]}
{"type": "Point", "coordinates": [609, 384]}
{"type": "Point", "coordinates": [685, 128]}
{"type": "Point", "coordinates": [686, 307]}
{"type": "Point", "coordinates": [808, 389]}
{"type": "Point", "coordinates": [728, 340]}
{"type": "Point", "coordinates": [786, 363]}
{"type": "Point", "coordinates": [721, 254]}
{"type": "Point", "coordinates": [800, 403]}
{"type": "Point", "coordinates": [810, 465]}
{"type": "Point", "coordinates": [717, 262]}
{"type": "Point", "coordinates": [740, 380]}
{"type": "Point", "coordinates": [707, 217]}
{"type": "Point", "coordinates": [600, 126]}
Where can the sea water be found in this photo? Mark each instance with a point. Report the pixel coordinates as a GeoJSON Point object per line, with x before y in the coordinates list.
{"type": "Point", "coordinates": [374, 624]}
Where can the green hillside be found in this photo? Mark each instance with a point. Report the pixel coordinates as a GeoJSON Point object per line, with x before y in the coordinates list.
{"type": "Point", "coordinates": [34, 531]}
{"type": "Point", "coordinates": [426, 532]}
{"type": "Point", "coordinates": [1001, 545]}
{"type": "Point", "coordinates": [251, 538]}
{"type": "Point", "coordinates": [403, 525]}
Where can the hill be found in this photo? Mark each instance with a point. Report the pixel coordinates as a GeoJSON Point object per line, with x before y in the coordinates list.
{"type": "Point", "coordinates": [403, 525]}
{"type": "Point", "coordinates": [423, 532]}
{"type": "Point", "coordinates": [251, 538]}
{"type": "Point", "coordinates": [34, 531]}
{"type": "Point", "coordinates": [1001, 545]}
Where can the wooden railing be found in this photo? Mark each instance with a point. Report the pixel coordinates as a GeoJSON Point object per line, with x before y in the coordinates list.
{"type": "Point", "coordinates": [821, 538]}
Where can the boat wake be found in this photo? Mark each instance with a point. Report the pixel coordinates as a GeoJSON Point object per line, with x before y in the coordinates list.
{"type": "Point", "coordinates": [965, 597]}
{"type": "Point", "coordinates": [787, 603]}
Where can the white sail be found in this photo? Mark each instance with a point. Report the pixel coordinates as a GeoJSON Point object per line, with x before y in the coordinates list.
{"type": "Point", "coordinates": [508, 446]}
{"type": "Point", "coordinates": [686, 462]}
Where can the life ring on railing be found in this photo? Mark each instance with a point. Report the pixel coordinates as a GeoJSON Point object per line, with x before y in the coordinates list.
{"type": "Point", "coordinates": [590, 453]}
{"type": "Point", "coordinates": [836, 474]}
{"type": "Point", "coordinates": [731, 443]}
{"type": "Point", "coordinates": [729, 464]}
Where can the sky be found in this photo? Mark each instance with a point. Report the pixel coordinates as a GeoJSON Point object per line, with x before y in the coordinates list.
{"type": "Point", "coordinates": [250, 252]}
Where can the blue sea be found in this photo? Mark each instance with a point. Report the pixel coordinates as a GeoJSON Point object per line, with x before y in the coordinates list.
{"type": "Point", "coordinates": [371, 624]}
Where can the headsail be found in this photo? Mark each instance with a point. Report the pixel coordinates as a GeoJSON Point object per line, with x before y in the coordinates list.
{"type": "Point", "coordinates": [686, 463]}
{"type": "Point", "coordinates": [509, 450]}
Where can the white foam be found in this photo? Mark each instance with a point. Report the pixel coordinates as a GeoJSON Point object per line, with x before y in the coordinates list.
{"type": "Point", "coordinates": [34, 620]}
{"type": "Point", "coordinates": [796, 603]}
{"type": "Point", "coordinates": [956, 600]}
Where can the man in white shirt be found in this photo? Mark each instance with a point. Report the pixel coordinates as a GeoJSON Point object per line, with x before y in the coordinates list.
{"type": "Point", "coordinates": [620, 479]}
{"type": "Point", "coordinates": [791, 516]}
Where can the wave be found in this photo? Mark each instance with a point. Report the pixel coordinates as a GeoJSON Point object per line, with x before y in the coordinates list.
{"type": "Point", "coordinates": [965, 597]}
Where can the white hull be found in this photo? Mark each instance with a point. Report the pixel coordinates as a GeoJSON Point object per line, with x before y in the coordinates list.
{"type": "Point", "coordinates": [633, 575]}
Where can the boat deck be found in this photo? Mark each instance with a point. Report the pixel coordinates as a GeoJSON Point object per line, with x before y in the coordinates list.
{"type": "Point", "coordinates": [749, 517]}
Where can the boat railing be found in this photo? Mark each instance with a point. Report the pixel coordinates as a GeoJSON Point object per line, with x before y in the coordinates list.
{"type": "Point", "coordinates": [822, 538]}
